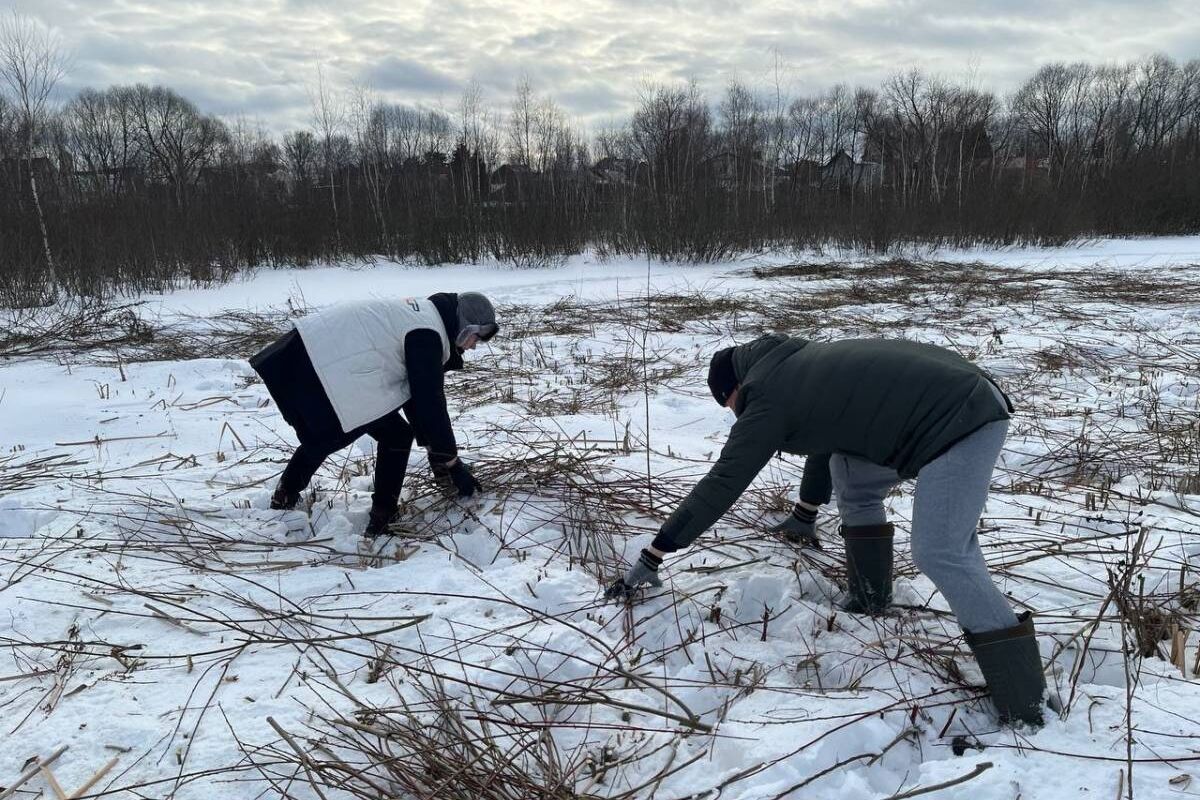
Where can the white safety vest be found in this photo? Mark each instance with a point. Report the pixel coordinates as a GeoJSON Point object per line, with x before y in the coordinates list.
{"type": "Point", "coordinates": [357, 350]}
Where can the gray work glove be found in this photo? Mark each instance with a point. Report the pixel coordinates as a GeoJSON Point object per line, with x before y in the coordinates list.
{"type": "Point", "coordinates": [800, 527]}
{"type": "Point", "coordinates": [643, 571]}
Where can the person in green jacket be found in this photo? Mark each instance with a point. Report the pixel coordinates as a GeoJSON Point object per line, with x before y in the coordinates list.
{"type": "Point", "coordinates": [874, 412]}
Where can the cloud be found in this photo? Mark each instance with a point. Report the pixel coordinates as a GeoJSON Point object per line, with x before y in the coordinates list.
{"type": "Point", "coordinates": [591, 56]}
{"type": "Point", "coordinates": [592, 99]}
{"type": "Point", "coordinates": [398, 74]}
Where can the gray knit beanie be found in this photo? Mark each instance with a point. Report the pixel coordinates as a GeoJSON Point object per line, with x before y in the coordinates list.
{"type": "Point", "coordinates": [475, 316]}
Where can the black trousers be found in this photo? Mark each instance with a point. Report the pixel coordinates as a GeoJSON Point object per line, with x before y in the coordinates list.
{"type": "Point", "coordinates": [394, 437]}
{"type": "Point", "coordinates": [288, 373]}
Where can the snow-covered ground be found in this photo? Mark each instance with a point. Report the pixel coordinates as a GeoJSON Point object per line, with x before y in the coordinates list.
{"type": "Point", "coordinates": [154, 611]}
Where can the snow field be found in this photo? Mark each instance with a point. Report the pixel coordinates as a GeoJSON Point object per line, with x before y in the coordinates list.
{"type": "Point", "coordinates": [153, 608]}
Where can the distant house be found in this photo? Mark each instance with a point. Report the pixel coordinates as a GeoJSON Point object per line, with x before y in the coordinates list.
{"type": "Point", "coordinates": [509, 173]}
{"type": "Point", "coordinates": [803, 172]}
{"type": "Point", "coordinates": [843, 170]}
{"type": "Point", "coordinates": [109, 177]}
{"type": "Point", "coordinates": [507, 180]}
{"type": "Point", "coordinates": [610, 171]}
{"type": "Point", "coordinates": [1020, 164]}
{"type": "Point", "coordinates": [839, 169]}
{"type": "Point", "coordinates": [970, 144]}
{"type": "Point", "coordinates": [43, 168]}
{"type": "Point", "coordinates": [722, 168]}
{"type": "Point", "coordinates": [216, 174]}
{"type": "Point", "coordinates": [436, 165]}
{"type": "Point", "coordinates": [730, 172]}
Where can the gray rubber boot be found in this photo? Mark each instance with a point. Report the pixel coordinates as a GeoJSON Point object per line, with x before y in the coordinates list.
{"type": "Point", "coordinates": [1012, 668]}
{"type": "Point", "coordinates": [868, 567]}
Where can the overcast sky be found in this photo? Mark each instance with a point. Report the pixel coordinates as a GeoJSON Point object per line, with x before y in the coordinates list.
{"type": "Point", "coordinates": [256, 57]}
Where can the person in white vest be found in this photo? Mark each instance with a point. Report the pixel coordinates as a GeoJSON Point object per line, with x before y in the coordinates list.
{"type": "Point", "coordinates": [349, 370]}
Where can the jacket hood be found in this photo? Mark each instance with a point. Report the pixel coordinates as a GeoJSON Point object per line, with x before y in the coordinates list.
{"type": "Point", "coordinates": [759, 358]}
{"type": "Point", "coordinates": [747, 355]}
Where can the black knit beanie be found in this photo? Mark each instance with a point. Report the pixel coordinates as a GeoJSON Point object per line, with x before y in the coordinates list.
{"type": "Point", "coordinates": [721, 378]}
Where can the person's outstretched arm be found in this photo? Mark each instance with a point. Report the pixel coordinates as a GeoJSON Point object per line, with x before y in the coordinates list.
{"type": "Point", "coordinates": [753, 440]}
{"type": "Point", "coordinates": [426, 408]}
{"type": "Point", "coordinates": [427, 411]}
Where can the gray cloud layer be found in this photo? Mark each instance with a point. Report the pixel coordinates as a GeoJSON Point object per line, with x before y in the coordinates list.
{"type": "Point", "coordinates": [257, 58]}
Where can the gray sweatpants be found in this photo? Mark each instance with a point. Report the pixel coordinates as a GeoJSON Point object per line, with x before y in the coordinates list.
{"type": "Point", "coordinates": [951, 492]}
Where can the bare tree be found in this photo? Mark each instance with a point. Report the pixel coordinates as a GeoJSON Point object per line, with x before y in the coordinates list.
{"type": "Point", "coordinates": [300, 155]}
{"type": "Point", "coordinates": [908, 99]}
{"type": "Point", "coordinates": [328, 119]}
{"type": "Point", "coordinates": [32, 62]}
{"type": "Point", "coordinates": [247, 155]}
{"type": "Point", "coordinates": [409, 130]}
{"type": "Point", "coordinates": [554, 141]}
{"type": "Point", "coordinates": [742, 131]}
{"type": "Point", "coordinates": [179, 140]}
{"type": "Point", "coordinates": [522, 122]}
{"type": "Point", "coordinates": [1164, 95]}
{"type": "Point", "coordinates": [477, 123]}
{"type": "Point", "coordinates": [837, 110]}
{"type": "Point", "coordinates": [9, 128]}
{"type": "Point", "coordinates": [867, 109]}
{"type": "Point", "coordinates": [776, 124]}
{"type": "Point", "coordinates": [672, 132]}
{"type": "Point", "coordinates": [1106, 108]}
{"type": "Point", "coordinates": [438, 132]}
{"type": "Point", "coordinates": [370, 137]}
{"type": "Point", "coordinates": [613, 141]}
{"type": "Point", "coordinates": [1191, 123]}
{"type": "Point", "coordinates": [102, 135]}
{"type": "Point", "coordinates": [1039, 104]}
{"type": "Point", "coordinates": [801, 134]}
{"type": "Point", "coordinates": [479, 132]}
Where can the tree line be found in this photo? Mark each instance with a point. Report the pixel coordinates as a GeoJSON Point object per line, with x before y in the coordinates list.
{"type": "Point", "coordinates": [134, 187]}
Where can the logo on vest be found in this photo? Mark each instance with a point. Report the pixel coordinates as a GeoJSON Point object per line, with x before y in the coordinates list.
{"type": "Point", "coordinates": [413, 303]}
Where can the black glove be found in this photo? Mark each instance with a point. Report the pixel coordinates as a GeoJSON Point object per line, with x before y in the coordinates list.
{"type": "Point", "coordinates": [458, 476]}
{"type": "Point", "coordinates": [800, 527]}
{"type": "Point", "coordinates": [644, 570]}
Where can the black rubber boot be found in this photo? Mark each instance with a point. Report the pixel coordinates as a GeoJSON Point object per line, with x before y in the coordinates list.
{"type": "Point", "coordinates": [391, 464]}
{"type": "Point", "coordinates": [868, 567]}
{"type": "Point", "coordinates": [1012, 668]}
{"type": "Point", "coordinates": [379, 520]}
{"type": "Point", "coordinates": [283, 500]}
{"type": "Point", "coordinates": [298, 474]}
